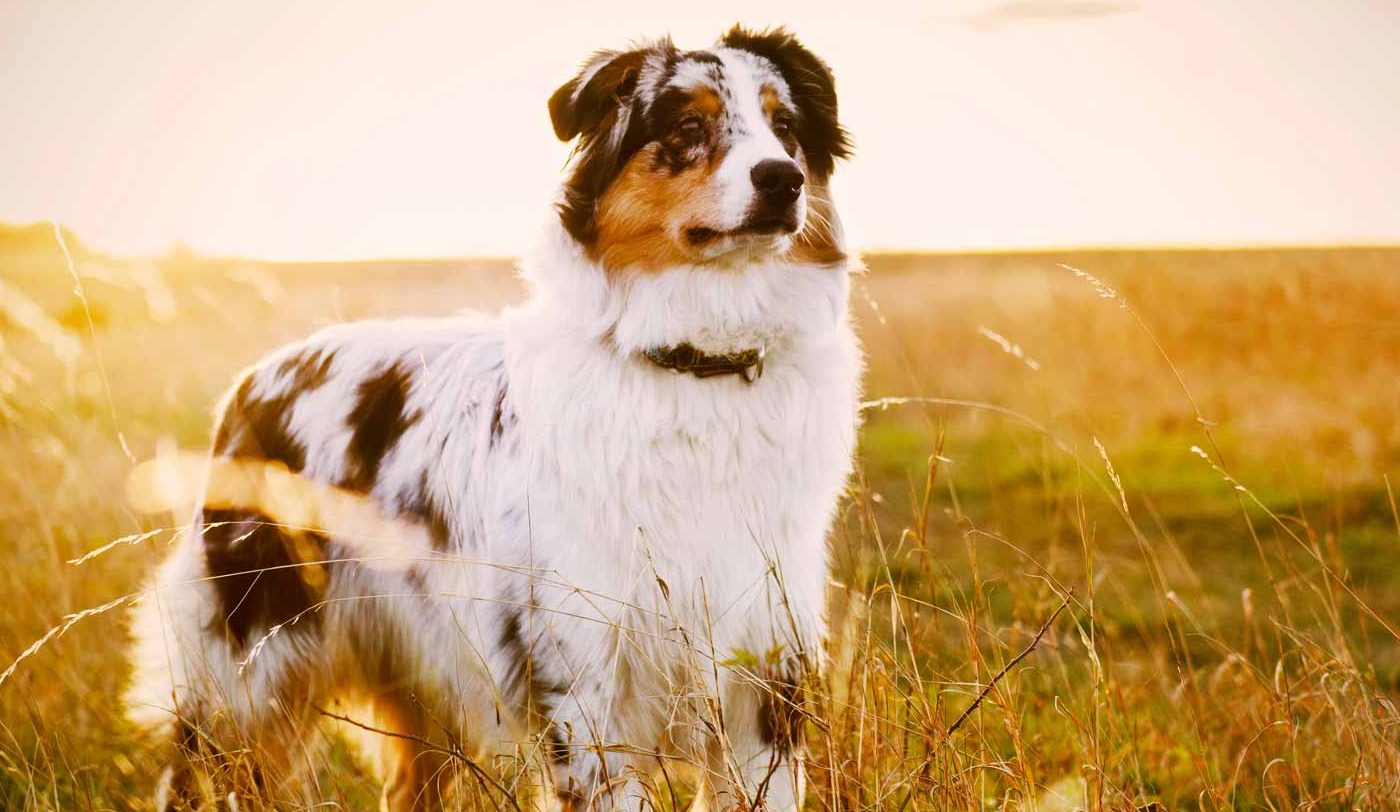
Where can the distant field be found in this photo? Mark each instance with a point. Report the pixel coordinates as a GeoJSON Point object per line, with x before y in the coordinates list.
{"type": "Point", "coordinates": [1202, 446]}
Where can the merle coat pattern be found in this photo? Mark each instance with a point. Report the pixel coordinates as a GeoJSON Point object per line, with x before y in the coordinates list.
{"type": "Point", "coordinates": [569, 551]}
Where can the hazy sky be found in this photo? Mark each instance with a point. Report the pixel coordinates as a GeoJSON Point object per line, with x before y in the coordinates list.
{"type": "Point", "coordinates": [337, 130]}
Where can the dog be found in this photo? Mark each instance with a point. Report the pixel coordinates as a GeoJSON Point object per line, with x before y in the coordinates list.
{"type": "Point", "coordinates": [600, 518]}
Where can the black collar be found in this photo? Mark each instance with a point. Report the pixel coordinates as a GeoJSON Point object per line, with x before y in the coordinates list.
{"type": "Point", "coordinates": [747, 364]}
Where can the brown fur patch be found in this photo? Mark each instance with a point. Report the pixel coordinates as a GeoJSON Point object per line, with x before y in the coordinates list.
{"type": "Point", "coordinates": [256, 428]}
{"type": "Point", "coordinates": [642, 213]}
{"type": "Point", "coordinates": [707, 101]}
{"type": "Point", "coordinates": [377, 422]}
{"type": "Point", "coordinates": [264, 574]}
{"type": "Point", "coordinates": [772, 102]}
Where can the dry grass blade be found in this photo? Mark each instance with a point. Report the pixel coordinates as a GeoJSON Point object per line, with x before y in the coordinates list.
{"type": "Point", "coordinates": [992, 683]}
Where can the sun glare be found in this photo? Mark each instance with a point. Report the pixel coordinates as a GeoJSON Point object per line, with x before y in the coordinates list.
{"type": "Point", "coordinates": [281, 131]}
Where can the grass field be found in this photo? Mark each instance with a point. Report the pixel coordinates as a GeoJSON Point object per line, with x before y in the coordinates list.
{"type": "Point", "coordinates": [1194, 451]}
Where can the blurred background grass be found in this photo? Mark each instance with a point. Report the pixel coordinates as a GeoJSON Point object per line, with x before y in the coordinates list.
{"type": "Point", "coordinates": [1214, 595]}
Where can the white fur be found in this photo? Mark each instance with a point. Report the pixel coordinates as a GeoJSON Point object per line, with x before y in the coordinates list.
{"type": "Point", "coordinates": [648, 528]}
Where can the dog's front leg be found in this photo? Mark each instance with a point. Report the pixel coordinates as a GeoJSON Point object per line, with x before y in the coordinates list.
{"type": "Point", "coordinates": [591, 769]}
{"type": "Point", "coordinates": [756, 759]}
{"type": "Point", "coordinates": [595, 732]}
{"type": "Point", "coordinates": [592, 756]}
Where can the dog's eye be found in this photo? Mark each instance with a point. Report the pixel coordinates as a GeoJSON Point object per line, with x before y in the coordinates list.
{"type": "Point", "coordinates": [782, 125]}
{"type": "Point", "coordinates": [690, 127]}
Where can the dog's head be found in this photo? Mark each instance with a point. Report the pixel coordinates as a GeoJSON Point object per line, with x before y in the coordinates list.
{"type": "Point", "coordinates": [695, 157]}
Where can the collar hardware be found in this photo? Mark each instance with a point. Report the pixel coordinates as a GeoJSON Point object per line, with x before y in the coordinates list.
{"type": "Point", "coordinates": [747, 364]}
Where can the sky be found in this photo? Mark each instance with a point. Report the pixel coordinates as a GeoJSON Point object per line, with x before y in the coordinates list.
{"type": "Point", "coordinates": [344, 130]}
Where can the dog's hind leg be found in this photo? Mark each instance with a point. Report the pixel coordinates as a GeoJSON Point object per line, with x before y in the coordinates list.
{"type": "Point", "coordinates": [416, 770]}
{"type": "Point", "coordinates": [264, 760]}
{"type": "Point", "coordinates": [239, 707]}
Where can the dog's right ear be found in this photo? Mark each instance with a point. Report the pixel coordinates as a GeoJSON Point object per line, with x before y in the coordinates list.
{"type": "Point", "coordinates": [594, 98]}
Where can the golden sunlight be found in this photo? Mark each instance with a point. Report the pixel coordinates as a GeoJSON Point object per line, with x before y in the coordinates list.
{"type": "Point", "coordinates": [299, 131]}
{"type": "Point", "coordinates": [1067, 481]}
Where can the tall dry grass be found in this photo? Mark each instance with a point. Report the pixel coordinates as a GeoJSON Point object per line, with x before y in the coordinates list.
{"type": "Point", "coordinates": [1118, 538]}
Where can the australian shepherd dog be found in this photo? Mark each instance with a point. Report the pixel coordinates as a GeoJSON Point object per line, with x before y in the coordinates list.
{"type": "Point", "coordinates": [590, 532]}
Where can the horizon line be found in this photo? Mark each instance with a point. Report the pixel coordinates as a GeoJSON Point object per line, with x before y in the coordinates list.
{"type": "Point", "coordinates": [880, 251]}
{"type": "Point", "coordinates": [179, 249]}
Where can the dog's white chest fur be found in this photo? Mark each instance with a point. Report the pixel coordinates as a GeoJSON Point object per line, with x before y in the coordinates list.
{"type": "Point", "coordinates": [718, 486]}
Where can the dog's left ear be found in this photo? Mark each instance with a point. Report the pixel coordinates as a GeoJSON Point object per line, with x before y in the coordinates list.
{"type": "Point", "coordinates": [596, 95]}
{"type": "Point", "coordinates": [813, 89]}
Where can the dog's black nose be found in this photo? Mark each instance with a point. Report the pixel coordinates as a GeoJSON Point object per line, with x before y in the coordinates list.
{"type": "Point", "coordinates": [777, 181]}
